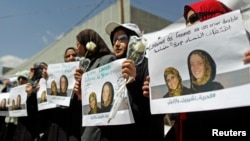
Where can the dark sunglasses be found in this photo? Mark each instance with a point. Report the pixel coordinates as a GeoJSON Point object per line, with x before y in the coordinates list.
{"type": "Point", "coordinates": [120, 38]}
{"type": "Point", "coordinates": [192, 19]}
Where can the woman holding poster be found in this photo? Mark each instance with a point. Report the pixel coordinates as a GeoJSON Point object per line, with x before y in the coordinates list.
{"type": "Point", "coordinates": [202, 71]}
{"type": "Point", "coordinates": [99, 54]}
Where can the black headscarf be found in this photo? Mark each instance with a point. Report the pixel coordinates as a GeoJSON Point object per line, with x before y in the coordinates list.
{"type": "Point", "coordinates": [101, 49]}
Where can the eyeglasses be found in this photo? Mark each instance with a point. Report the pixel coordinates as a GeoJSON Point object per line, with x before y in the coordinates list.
{"type": "Point", "coordinates": [120, 38]}
{"type": "Point", "coordinates": [192, 19]}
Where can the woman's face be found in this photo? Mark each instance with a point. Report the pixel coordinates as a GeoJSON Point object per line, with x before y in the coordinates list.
{"type": "Point", "coordinates": [63, 83]}
{"type": "Point", "coordinates": [70, 55]}
{"type": "Point", "coordinates": [172, 81]}
{"type": "Point", "coordinates": [191, 14]}
{"type": "Point", "coordinates": [3, 103]}
{"type": "Point", "coordinates": [80, 49]}
{"type": "Point", "coordinates": [53, 87]}
{"type": "Point", "coordinates": [105, 93]}
{"type": "Point", "coordinates": [13, 103]}
{"type": "Point", "coordinates": [197, 66]}
{"type": "Point", "coordinates": [18, 100]}
{"type": "Point", "coordinates": [43, 97]}
{"type": "Point", "coordinates": [22, 80]}
{"type": "Point", "coordinates": [92, 102]}
{"type": "Point", "coordinates": [120, 44]}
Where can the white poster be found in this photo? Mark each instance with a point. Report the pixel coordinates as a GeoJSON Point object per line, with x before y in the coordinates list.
{"type": "Point", "coordinates": [200, 67]}
{"type": "Point", "coordinates": [61, 82]}
{"type": "Point", "coordinates": [42, 96]}
{"type": "Point", "coordinates": [18, 97]}
{"type": "Point", "coordinates": [100, 93]}
{"type": "Point", "coordinates": [4, 104]}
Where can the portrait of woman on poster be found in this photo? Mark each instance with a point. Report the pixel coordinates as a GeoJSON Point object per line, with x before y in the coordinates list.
{"type": "Point", "coordinates": [54, 88]}
{"type": "Point", "coordinates": [18, 103]}
{"type": "Point", "coordinates": [107, 97]}
{"type": "Point", "coordinates": [93, 105]}
{"type": "Point", "coordinates": [3, 106]}
{"type": "Point", "coordinates": [13, 105]}
{"type": "Point", "coordinates": [43, 97]}
{"type": "Point", "coordinates": [174, 83]}
{"type": "Point", "coordinates": [63, 85]}
{"type": "Point", "coordinates": [202, 71]}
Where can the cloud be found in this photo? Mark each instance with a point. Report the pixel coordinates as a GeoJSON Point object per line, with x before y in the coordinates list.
{"type": "Point", "coordinates": [59, 36]}
{"type": "Point", "coordinates": [50, 37]}
{"type": "Point", "coordinates": [45, 40]}
{"type": "Point", "coordinates": [48, 32]}
{"type": "Point", "coordinates": [10, 61]}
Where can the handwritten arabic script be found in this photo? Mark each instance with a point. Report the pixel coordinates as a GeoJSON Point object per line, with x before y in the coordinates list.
{"type": "Point", "coordinates": [180, 38]}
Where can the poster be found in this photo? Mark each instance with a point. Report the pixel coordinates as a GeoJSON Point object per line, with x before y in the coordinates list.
{"type": "Point", "coordinates": [100, 91]}
{"type": "Point", "coordinates": [61, 82]}
{"type": "Point", "coordinates": [42, 96]}
{"type": "Point", "coordinates": [200, 67]}
{"type": "Point", "coordinates": [18, 97]}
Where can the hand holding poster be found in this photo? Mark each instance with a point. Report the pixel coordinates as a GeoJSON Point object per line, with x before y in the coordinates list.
{"type": "Point", "coordinates": [135, 52]}
{"type": "Point", "coordinates": [200, 67]}
{"type": "Point", "coordinates": [61, 82]}
{"type": "Point", "coordinates": [99, 91]}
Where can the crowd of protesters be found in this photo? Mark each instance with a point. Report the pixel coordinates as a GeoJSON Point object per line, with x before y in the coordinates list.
{"type": "Point", "coordinates": [64, 123]}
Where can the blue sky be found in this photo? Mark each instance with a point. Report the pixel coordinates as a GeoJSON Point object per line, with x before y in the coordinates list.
{"type": "Point", "coordinates": [28, 26]}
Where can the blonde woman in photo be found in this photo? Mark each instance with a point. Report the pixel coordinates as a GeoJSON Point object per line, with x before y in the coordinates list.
{"type": "Point", "coordinates": [54, 90]}
{"type": "Point", "coordinates": [174, 84]}
{"type": "Point", "coordinates": [18, 103]}
{"type": "Point", "coordinates": [93, 104]}
{"type": "Point", "coordinates": [43, 97]}
{"type": "Point", "coordinates": [3, 105]}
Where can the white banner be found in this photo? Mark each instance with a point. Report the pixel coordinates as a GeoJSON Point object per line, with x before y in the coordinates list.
{"type": "Point", "coordinates": [61, 82]}
{"type": "Point", "coordinates": [42, 96]}
{"type": "Point", "coordinates": [18, 97]}
{"type": "Point", "coordinates": [99, 93]}
{"type": "Point", "coordinates": [221, 42]}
